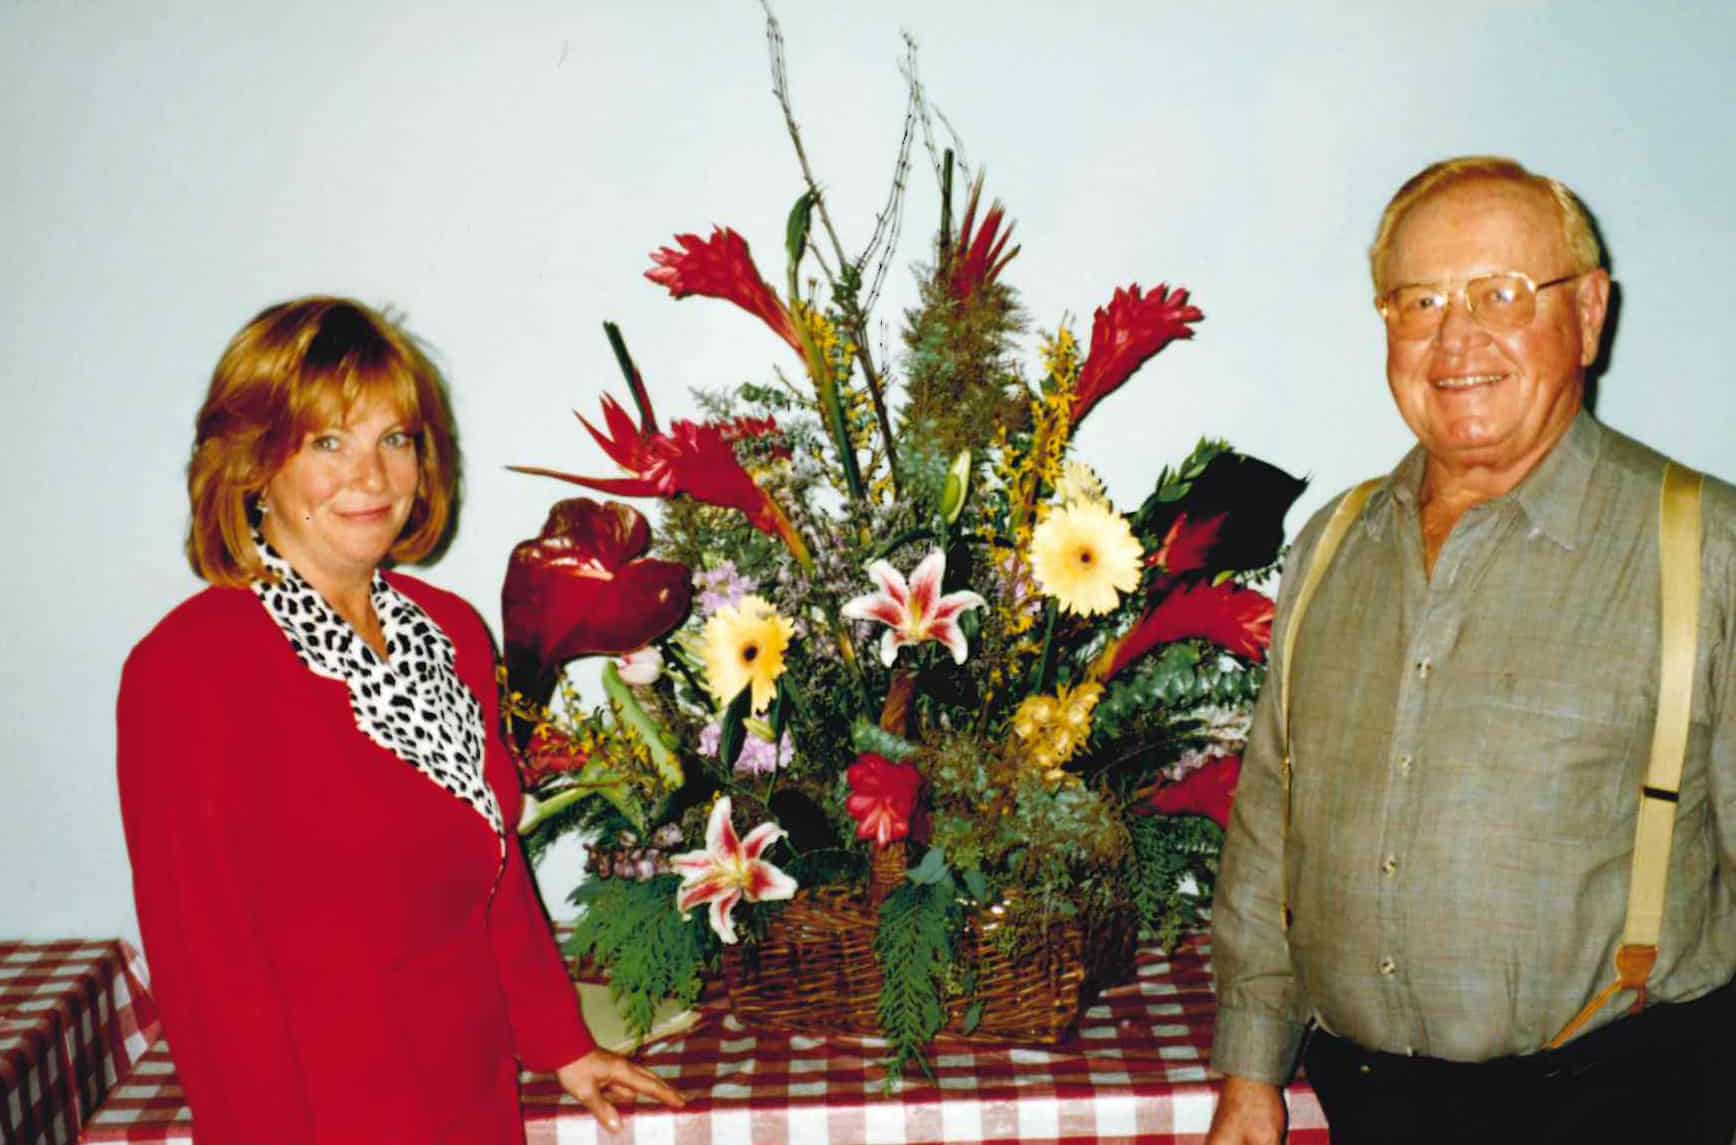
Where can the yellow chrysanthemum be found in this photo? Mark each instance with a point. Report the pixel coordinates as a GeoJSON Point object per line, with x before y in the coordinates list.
{"type": "Point", "coordinates": [1076, 706]}
{"type": "Point", "coordinates": [745, 645]}
{"type": "Point", "coordinates": [1085, 556]}
{"type": "Point", "coordinates": [1034, 716]}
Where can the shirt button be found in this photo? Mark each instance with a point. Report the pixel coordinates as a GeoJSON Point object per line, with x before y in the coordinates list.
{"type": "Point", "coordinates": [1388, 967]}
{"type": "Point", "coordinates": [1389, 864]}
{"type": "Point", "coordinates": [1424, 667]}
{"type": "Point", "coordinates": [1404, 762]}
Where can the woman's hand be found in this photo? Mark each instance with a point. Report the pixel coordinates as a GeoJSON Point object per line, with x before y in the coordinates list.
{"type": "Point", "coordinates": [601, 1078]}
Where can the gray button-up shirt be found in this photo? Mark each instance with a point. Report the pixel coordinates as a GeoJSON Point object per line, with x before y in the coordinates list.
{"type": "Point", "coordinates": [1468, 752]}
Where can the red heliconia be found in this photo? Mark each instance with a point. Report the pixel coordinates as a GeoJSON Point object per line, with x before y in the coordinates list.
{"type": "Point", "coordinates": [584, 587]}
{"type": "Point", "coordinates": [1209, 790]}
{"type": "Point", "coordinates": [721, 267]}
{"type": "Point", "coordinates": [980, 256]}
{"type": "Point", "coordinates": [1125, 335]}
{"type": "Point", "coordinates": [1236, 619]}
{"type": "Point", "coordinates": [693, 459]}
{"type": "Point", "coordinates": [882, 798]}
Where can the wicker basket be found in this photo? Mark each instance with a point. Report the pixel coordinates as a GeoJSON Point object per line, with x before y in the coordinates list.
{"type": "Point", "coordinates": [815, 971]}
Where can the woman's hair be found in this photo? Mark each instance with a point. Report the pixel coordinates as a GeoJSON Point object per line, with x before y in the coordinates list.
{"type": "Point", "coordinates": [299, 367]}
{"type": "Point", "coordinates": [1577, 229]}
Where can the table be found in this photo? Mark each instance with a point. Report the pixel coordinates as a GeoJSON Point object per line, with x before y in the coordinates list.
{"type": "Point", "coordinates": [1134, 1071]}
{"type": "Point", "coordinates": [74, 1017]}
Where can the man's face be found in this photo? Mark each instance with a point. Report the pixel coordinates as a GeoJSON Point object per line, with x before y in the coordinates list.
{"type": "Point", "coordinates": [1477, 398]}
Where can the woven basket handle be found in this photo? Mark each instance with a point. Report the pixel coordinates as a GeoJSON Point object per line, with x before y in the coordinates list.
{"type": "Point", "coordinates": [886, 865]}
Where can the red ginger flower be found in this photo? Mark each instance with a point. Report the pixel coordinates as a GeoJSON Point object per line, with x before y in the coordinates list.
{"type": "Point", "coordinates": [1187, 544]}
{"type": "Point", "coordinates": [1236, 619]}
{"type": "Point", "coordinates": [1125, 334]}
{"type": "Point", "coordinates": [883, 798]}
{"type": "Point", "coordinates": [721, 267]}
{"type": "Point", "coordinates": [978, 259]}
{"type": "Point", "coordinates": [583, 587]}
{"type": "Point", "coordinates": [692, 458]}
{"type": "Point", "coordinates": [1209, 790]}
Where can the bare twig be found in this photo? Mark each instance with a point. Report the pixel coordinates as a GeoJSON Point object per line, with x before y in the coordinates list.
{"type": "Point", "coordinates": [781, 89]}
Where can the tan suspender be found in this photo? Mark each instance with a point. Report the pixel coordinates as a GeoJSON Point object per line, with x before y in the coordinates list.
{"type": "Point", "coordinates": [1679, 548]}
{"type": "Point", "coordinates": [1679, 590]}
{"type": "Point", "coordinates": [1349, 508]}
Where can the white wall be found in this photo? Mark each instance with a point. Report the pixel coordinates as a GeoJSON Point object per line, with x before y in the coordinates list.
{"type": "Point", "coordinates": [500, 175]}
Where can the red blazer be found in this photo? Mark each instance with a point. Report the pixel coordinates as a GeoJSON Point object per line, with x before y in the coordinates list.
{"type": "Point", "coordinates": [333, 956]}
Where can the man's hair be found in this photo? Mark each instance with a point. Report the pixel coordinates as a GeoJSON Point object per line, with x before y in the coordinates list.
{"type": "Point", "coordinates": [1576, 225]}
{"type": "Point", "coordinates": [296, 368]}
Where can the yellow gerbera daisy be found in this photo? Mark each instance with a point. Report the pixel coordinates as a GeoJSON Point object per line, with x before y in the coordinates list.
{"type": "Point", "coordinates": [745, 645]}
{"type": "Point", "coordinates": [1085, 555]}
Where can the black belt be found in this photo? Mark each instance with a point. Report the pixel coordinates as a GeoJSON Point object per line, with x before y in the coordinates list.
{"type": "Point", "coordinates": [1664, 1028]}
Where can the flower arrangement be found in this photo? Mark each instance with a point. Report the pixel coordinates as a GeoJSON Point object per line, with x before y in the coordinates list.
{"type": "Point", "coordinates": [875, 620]}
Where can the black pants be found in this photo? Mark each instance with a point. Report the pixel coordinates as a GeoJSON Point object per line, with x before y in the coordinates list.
{"type": "Point", "coordinates": [1666, 1076]}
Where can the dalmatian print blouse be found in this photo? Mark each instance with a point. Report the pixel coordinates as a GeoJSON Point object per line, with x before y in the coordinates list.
{"type": "Point", "coordinates": [414, 706]}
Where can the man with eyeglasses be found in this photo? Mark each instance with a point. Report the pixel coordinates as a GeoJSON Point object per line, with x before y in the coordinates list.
{"type": "Point", "coordinates": [1428, 869]}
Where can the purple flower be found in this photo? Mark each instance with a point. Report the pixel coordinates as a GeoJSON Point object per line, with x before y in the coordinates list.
{"type": "Point", "coordinates": [759, 756]}
{"type": "Point", "coordinates": [720, 587]}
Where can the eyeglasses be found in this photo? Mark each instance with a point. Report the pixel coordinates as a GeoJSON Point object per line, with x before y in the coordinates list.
{"type": "Point", "coordinates": [1505, 301]}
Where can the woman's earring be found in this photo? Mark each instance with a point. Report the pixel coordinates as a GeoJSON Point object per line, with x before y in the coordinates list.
{"type": "Point", "coordinates": [260, 505]}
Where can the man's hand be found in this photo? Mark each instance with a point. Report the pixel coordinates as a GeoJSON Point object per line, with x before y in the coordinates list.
{"type": "Point", "coordinates": [1248, 1113]}
{"type": "Point", "coordinates": [600, 1078]}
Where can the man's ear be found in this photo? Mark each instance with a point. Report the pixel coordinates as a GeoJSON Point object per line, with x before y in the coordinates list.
{"type": "Point", "coordinates": [1591, 302]}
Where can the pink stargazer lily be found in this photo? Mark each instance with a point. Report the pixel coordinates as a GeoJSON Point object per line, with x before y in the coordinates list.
{"type": "Point", "coordinates": [729, 870]}
{"type": "Point", "coordinates": [914, 611]}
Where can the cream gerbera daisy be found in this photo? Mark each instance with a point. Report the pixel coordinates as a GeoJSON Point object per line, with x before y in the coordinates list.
{"type": "Point", "coordinates": [1085, 555]}
{"type": "Point", "coordinates": [744, 646]}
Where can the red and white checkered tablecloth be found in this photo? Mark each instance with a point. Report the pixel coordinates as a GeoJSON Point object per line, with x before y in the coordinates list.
{"type": "Point", "coordinates": [74, 1017]}
{"type": "Point", "coordinates": [1134, 1072]}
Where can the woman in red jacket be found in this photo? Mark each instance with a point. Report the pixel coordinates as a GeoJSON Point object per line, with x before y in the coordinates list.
{"type": "Point", "coordinates": [344, 939]}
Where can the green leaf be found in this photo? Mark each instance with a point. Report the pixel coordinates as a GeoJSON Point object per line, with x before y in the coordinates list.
{"type": "Point", "coordinates": [778, 718]}
{"type": "Point", "coordinates": [652, 733]}
{"type": "Point", "coordinates": [957, 488]}
{"type": "Point", "coordinates": [973, 1017]}
{"type": "Point", "coordinates": [732, 732]}
{"type": "Point", "coordinates": [796, 229]}
{"type": "Point", "coordinates": [866, 736]}
{"type": "Point", "coordinates": [977, 884]}
{"type": "Point", "coordinates": [931, 870]}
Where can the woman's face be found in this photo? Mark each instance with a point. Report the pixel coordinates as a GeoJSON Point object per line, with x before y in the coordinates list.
{"type": "Point", "coordinates": [337, 505]}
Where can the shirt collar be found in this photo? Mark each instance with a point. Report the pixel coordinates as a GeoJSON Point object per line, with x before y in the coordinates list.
{"type": "Point", "coordinates": [1552, 496]}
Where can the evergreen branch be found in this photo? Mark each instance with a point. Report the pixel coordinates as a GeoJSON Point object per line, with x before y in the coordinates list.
{"type": "Point", "coordinates": [915, 949]}
{"type": "Point", "coordinates": [652, 950]}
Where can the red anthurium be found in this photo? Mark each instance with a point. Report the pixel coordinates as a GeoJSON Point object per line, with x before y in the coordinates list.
{"type": "Point", "coordinates": [584, 587]}
{"type": "Point", "coordinates": [721, 267]}
{"type": "Point", "coordinates": [980, 257]}
{"type": "Point", "coordinates": [1237, 619]}
{"type": "Point", "coordinates": [1185, 546]}
{"type": "Point", "coordinates": [1125, 334]}
{"type": "Point", "coordinates": [883, 798]}
{"type": "Point", "coordinates": [1209, 790]}
{"type": "Point", "coordinates": [692, 459]}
